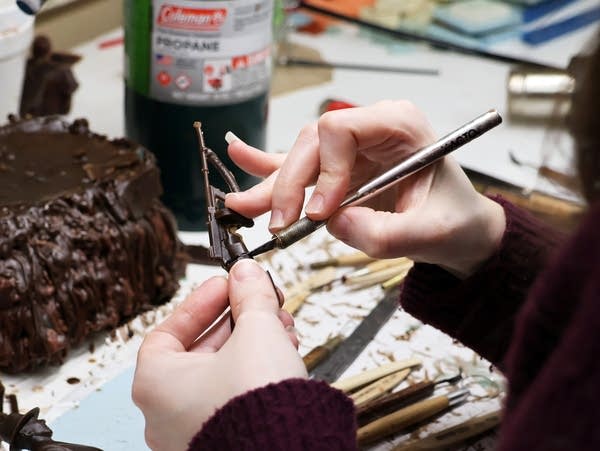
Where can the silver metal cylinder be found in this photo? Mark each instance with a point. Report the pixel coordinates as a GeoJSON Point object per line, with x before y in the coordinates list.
{"type": "Point", "coordinates": [539, 95]}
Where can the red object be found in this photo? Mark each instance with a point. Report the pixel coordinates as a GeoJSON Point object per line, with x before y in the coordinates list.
{"type": "Point", "coordinates": [163, 78]}
{"type": "Point", "coordinates": [333, 104]}
{"type": "Point", "coordinates": [215, 83]}
{"type": "Point", "coordinates": [111, 42]}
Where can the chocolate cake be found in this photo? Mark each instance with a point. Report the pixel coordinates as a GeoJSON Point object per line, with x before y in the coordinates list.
{"type": "Point", "coordinates": [85, 243]}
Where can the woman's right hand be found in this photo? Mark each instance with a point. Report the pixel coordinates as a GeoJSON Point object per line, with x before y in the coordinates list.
{"type": "Point", "coordinates": [433, 216]}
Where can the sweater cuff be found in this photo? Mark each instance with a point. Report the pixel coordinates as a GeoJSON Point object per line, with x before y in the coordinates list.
{"type": "Point", "coordinates": [480, 310]}
{"type": "Point", "coordinates": [295, 414]}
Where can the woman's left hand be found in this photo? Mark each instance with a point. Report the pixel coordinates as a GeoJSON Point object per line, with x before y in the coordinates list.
{"type": "Point", "coordinates": [181, 380]}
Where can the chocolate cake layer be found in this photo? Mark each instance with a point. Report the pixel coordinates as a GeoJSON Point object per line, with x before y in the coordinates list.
{"type": "Point", "coordinates": [85, 244]}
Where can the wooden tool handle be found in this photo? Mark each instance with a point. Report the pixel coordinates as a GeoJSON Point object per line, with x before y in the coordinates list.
{"type": "Point", "coordinates": [379, 387]}
{"type": "Point", "coordinates": [376, 277]}
{"type": "Point", "coordinates": [294, 302]}
{"type": "Point", "coordinates": [357, 258]}
{"type": "Point", "coordinates": [321, 352]}
{"type": "Point", "coordinates": [368, 376]}
{"type": "Point", "coordinates": [401, 419]}
{"type": "Point", "coordinates": [314, 357]}
{"type": "Point", "coordinates": [454, 435]}
{"type": "Point", "coordinates": [388, 403]}
{"type": "Point", "coordinates": [354, 259]}
{"type": "Point", "coordinates": [378, 265]}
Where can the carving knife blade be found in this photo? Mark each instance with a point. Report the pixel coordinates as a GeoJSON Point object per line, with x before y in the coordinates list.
{"type": "Point", "coordinates": [341, 358]}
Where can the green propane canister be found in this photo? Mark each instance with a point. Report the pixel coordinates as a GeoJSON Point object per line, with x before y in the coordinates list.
{"type": "Point", "coordinates": [196, 60]}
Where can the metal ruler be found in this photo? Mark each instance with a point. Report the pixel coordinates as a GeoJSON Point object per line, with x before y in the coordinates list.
{"type": "Point", "coordinates": [341, 358]}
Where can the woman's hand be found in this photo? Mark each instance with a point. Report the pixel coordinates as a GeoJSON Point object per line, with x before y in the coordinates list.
{"type": "Point", "coordinates": [434, 216]}
{"type": "Point", "coordinates": [181, 379]}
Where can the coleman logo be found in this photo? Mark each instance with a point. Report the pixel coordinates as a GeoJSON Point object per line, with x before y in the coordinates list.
{"type": "Point", "coordinates": [171, 16]}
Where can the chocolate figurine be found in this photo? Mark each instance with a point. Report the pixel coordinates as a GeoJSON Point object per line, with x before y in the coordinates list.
{"type": "Point", "coordinates": [29, 432]}
{"type": "Point", "coordinates": [49, 82]}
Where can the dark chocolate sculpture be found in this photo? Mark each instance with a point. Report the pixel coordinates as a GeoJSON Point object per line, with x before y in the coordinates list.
{"type": "Point", "coordinates": [29, 432]}
{"type": "Point", "coordinates": [49, 83]}
{"type": "Point", "coordinates": [85, 243]}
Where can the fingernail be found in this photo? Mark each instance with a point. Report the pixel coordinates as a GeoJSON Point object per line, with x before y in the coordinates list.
{"type": "Point", "coordinates": [246, 270]}
{"type": "Point", "coordinates": [276, 221]}
{"type": "Point", "coordinates": [315, 204]}
{"type": "Point", "coordinates": [232, 196]}
{"type": "Point", "coordinates": [230, 137]}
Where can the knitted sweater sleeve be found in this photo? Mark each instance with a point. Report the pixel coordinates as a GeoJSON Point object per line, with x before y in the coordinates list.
{"type": "Point", "coordinates": [480, 311]}
{"type": "Point", "coordinates": [292, 415]}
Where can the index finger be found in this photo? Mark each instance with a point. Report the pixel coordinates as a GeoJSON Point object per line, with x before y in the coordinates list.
{"type": "Point", "coordinates": [298, 171]}
{"type": "Point", "coordinates": [386, 129]}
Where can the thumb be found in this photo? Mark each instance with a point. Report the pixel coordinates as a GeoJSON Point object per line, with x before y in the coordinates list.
{"type": "Point", "coordinates": [251, 289]}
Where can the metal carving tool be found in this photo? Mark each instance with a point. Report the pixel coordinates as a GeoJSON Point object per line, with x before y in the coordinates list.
{"type": "Point", "coordinates": [417, 161]}
{"type": "Point", "coordinates": [346, 352]}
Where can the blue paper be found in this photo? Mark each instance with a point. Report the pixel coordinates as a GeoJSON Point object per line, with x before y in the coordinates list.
{"type": "Point", "coordinates": [539, 10]}
{"type": "Point", "coordinates": [478, 17]}
{"type": "Point", "coordinates": [554, 30]}
{"type": "Point", "coordinates": [107, 419]}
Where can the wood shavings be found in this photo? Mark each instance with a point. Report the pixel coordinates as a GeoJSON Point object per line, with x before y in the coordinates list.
{"type": "Point", "coordinates": [406, 336]}
{"type": "Point", "coordinates": [389, 355]}
{"type": "Point", "coordinates": [330, 312]}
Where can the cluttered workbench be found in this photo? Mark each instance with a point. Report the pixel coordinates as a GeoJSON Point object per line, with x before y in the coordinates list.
{"type": "Point", "coordinates": [87, 399]}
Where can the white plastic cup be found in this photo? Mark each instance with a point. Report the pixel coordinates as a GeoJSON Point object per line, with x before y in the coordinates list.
{"type": "Point", "coordinates": [16, 35]}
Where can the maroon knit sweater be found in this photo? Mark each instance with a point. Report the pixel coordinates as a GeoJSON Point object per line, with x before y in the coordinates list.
{"type": "Point", "coordinates": [545, 336]}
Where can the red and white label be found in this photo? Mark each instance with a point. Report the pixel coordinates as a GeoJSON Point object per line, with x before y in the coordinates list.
{"type": "Point", "coordinates": [183, 81]}
{"type": "Point", "coordinates": [171, 16]}
{"type": "Point", "coordinates": [210, 52]}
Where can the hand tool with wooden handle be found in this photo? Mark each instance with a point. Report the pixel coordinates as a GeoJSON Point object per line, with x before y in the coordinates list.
{"type": "Point", "coordinates": [454, 435]}
{"type": "Point", "coordinates": [408, 416]}
{"type": "Point", "coordinates": [378, 388]}
{"type": "Point", "coordinates": [366, 377]}
{"type": "Point", "coordinates": [321, 352]}
{"type": "Point", "coordinates": [391, 402]}
{"type": "Point", "coordinates": [353, 259]}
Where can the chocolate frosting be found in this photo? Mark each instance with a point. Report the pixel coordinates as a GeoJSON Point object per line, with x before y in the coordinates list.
{"type": "Point", "coordinates": [85, 244]}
